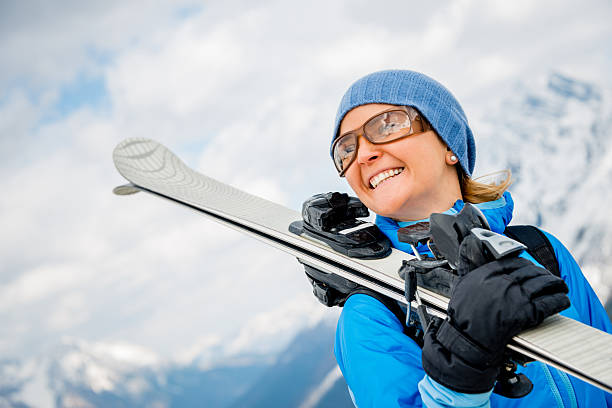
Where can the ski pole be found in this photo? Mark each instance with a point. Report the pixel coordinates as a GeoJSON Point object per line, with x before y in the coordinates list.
{"type": "Point", "coordinates": [411, 281]}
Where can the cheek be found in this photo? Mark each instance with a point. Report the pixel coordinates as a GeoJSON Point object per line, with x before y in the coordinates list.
{"type": "Point", "coordinates": [353, 178]}
{"type": "Point", "coordinates": [423, 156]}
{"type": "Point", "coordinates": [416, 158]}
{"type": "Point", "coordinates": [362, 191]}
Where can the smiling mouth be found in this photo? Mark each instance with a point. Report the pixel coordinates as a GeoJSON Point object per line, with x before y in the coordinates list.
{"type": "Point", "coordinates": [384, 176]}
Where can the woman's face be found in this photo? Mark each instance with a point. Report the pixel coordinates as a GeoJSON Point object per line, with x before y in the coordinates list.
{"type": "Point", "coordinates": [427, 181]}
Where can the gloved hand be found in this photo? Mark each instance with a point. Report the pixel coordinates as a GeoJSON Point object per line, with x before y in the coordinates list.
{"type": "Point", "coordinates": [329, 289]}
{"type": "Point", "coordinates": [489, 305]}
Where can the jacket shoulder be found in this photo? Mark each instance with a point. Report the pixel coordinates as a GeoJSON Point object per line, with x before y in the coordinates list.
{"type": "Point", "coordinates": [581, 294]}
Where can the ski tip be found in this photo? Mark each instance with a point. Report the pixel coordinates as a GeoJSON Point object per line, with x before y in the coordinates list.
{"type": "Point", "coordinates": [126, 189]}
{"type": "Point", "coordinates": [133, 145]}
{"type": "Point", "coordinates": [138, 154]}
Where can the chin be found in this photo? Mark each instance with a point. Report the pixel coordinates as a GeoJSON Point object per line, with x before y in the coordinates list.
{"type": "Point", "coordinates": [388, 210]}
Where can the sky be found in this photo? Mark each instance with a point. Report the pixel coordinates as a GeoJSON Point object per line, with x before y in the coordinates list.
{"type": "Point", "coordinates": [244, 92]}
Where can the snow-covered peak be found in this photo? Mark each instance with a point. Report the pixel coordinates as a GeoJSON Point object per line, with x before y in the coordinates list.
{"type": "Point", "coordinates": [101, 366]}
{"type": "Point", "coordinates": [553, 132]}
{"type": "Point", "coordinates": [259, 338]}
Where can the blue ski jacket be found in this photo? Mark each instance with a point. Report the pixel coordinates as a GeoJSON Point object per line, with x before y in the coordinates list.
{"type": "Point", "coordinates": [382, 366]}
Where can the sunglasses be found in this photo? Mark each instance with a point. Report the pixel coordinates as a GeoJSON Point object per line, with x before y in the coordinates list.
{"type": "Point", "coordinates": [384, 127]}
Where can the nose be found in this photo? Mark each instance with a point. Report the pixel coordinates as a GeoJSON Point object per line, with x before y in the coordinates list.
{"type": "Point", "coordinates": [367, 151]}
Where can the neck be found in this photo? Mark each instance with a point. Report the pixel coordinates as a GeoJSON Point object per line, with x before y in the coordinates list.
{"type": "Point", "coordinates": [440, 200]}
{"type": "Point", "coordinates": [421, 213]}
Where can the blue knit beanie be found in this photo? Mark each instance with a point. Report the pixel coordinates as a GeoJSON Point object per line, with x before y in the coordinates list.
{"type": "Point", "coordinates": [434, 101]}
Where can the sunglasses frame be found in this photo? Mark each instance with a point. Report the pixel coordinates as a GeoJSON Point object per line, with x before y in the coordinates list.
{"type": "Point", "coordinates": [360, 131]}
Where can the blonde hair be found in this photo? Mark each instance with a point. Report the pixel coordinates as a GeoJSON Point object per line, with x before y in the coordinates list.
{"type": "Point", "coordinates": [489, 187]}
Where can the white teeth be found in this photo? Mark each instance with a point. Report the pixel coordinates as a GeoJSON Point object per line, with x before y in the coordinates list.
{"type": "Point", "coordinates": [375, 181]}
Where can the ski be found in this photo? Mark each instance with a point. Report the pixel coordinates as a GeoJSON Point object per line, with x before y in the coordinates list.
{"type": "Point", "coordinates": [152, 168]}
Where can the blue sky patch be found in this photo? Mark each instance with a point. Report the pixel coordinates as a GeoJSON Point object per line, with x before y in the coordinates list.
{"type": "Point", "coordinates": [186, 12]}
{"type": "Point", "coordinates": [85, 91]}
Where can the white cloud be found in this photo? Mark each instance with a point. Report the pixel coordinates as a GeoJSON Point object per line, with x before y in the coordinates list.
{"type": "Point", "coordinates": [184, 75]}
{"type": "Point", "coordinates": [40, 283]}
{"type": "Point", "coordinates": [443, 30]}
{"type": "Point", "coordinates": [48, 44]}
{"type": "Point", "coordinates": [494, 67]}
{"type": "Point", "coordinates": [70, 310]}
{"type": "Point", "coordinates": [515, 11]}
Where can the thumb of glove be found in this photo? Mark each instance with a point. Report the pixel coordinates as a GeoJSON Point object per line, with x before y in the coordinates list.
{"type": "Point", "coordinates": [471, 255]}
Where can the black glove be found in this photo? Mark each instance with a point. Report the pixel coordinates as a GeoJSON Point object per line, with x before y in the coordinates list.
{"type": "Point", "coordinates": [329, 289]}
{"type": "Point", "coordinates": [489, 305]}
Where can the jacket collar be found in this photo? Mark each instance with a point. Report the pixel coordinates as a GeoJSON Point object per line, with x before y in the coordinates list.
{"type": "Point", "coordinates": [498, 214]}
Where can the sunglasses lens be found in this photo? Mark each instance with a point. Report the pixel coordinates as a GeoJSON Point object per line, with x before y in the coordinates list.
{"type": "Point", "coordinates": [388, 126]}
{"type": "Point", "coordinates": [344, 151]}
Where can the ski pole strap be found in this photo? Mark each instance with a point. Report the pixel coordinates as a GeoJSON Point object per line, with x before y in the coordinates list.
{"type": "Point", "coordinates": [537, 245]}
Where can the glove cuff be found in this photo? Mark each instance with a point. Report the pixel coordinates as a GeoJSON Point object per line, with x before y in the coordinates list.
{"type": "Point", "coordinates": [451, 370]}
{"type": "Point", "coordinates": [458, 343]}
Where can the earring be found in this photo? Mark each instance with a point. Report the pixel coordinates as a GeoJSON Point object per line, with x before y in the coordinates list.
{"type": "Point", "coordinates": [453, 158]}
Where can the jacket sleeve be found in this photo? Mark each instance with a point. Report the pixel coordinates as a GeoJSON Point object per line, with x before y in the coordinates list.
{"type": "Point", "coordinates": [382, 366]}
{"type": "Point", "coordinates": [581, 294]}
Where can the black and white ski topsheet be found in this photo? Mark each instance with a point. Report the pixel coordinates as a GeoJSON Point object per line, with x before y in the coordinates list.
{"type": "Point", "coordinates": [571, 346]}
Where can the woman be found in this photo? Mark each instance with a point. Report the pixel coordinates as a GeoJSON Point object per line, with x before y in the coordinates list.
{"type": "Point", "coordinates": [405, 147]}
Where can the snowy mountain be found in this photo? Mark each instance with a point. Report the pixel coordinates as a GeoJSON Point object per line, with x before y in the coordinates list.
{"type": "Point", "coordinates": [554, 135]}
{"type": "Point", "coordinates": [80, 374]}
